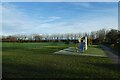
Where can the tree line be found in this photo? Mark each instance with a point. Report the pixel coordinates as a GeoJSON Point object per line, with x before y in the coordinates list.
{"type": "Point", "coordinates": [99, 36]}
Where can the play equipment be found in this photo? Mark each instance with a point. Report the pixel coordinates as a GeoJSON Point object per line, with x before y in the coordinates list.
{"type": "Point", "coordinates": [84, 39]}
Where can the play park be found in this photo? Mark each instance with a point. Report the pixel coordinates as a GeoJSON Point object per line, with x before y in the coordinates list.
{"type": "Point", "coordinates": [60, 39]}
{"type": "Point", "coordinates": [57, 60]}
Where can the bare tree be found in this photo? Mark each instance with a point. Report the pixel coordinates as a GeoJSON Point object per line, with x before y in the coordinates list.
{"type": "Point", "coordinates": [93, 35]}
{"type": "Point", "coordinates": [37, 37]}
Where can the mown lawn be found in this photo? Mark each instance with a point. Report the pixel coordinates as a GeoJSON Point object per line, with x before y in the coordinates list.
{"type": "Point", "coordinates": [95, 50]}
{"type": "Point", "coordinates": [35, 60]}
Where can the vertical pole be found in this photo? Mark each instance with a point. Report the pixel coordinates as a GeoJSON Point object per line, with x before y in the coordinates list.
{"type": "Point", "coordinates": [85, 42]}
{"type": "Point", "coordinates": [79, 39]}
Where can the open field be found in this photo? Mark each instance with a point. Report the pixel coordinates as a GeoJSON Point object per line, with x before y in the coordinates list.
{"type": "Point", "coordinates": [36, 60]}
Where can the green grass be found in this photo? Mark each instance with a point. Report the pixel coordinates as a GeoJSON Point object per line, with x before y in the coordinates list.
{"type": "Point", "coordinates": [35, 60]}
{"type": "Point", "coordinates": [92, 50]}
{"type": "Point", "coordinates": [95, 50]}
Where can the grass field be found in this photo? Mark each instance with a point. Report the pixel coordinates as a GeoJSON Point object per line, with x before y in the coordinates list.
{"type": "Point", "coordinates": [92, 50]}
{"type": "Point", "coordinates": [35, 60]}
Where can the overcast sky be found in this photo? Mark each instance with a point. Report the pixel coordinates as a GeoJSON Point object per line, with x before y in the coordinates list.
{"type": "Point", "coordinates": [58, 17]}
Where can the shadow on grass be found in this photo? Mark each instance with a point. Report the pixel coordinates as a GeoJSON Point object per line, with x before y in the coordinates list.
{"type": "Point", "coordinates": [110, 66]}
{"type": "Point", "coordinates": [48, 71]}
{"type": "Point", "coordinates": [29, 71]}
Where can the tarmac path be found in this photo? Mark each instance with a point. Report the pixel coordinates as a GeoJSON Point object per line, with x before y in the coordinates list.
{"type": "Point", "coordinates": [115, 59]}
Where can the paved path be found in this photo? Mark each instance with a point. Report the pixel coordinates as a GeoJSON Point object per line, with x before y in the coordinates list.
{"type": "Point", "coordinates": [71, 51]}
{"type": "Point", "coordinates": [111, 55]}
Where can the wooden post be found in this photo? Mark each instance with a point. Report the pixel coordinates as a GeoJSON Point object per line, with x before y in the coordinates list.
{"type": "Point", "coordinates": [85, 42]}
{"type": "Point", "coordinates": [79, 39]}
